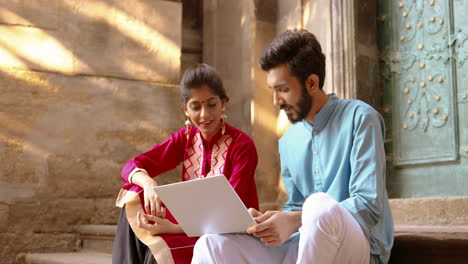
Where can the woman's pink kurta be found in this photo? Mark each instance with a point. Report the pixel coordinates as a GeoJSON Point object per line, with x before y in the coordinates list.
{"type": "Point", "coordinates": [232, 154]}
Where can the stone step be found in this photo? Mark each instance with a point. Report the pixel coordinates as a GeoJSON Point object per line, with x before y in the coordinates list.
{"type": "Point", "coordinates": [82, 257]}
{"type": "Point", "coordinates": [95, 247]}
{"type": "Point", "coordinates": [99, 238]}
{"type": "Point", "coordinates": [430, 244]}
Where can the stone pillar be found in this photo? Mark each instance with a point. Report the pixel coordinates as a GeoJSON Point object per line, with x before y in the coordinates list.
{"type": "Point", "coordinates": [267, 125]}
{"type": "Point", "coordinates": [347, 31]}
{"type": "Point", "coordinates": [368, 86]}
{"type": "Point", "coordinates": [315, 17]}
{"type": "Point", "coordinates": [192, 33]}
{"type": "Point", "coordinates": [227, 39]}
{"type": "Point", "coordinates": [234, 34]}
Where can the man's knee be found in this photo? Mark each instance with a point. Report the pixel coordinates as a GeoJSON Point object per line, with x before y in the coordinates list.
{"type": "Point", "coordinates": [319, 202]}
{"type": "Point", "coordinates": [213, 248]}
{"type": "Point", "coordinates": [210, 243]}
{"type": "Point", "coordinates": [207, 242]}
{"type": "Point", "coordinates": [319, 208]}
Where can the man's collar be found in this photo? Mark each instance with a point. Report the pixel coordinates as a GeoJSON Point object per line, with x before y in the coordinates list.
{"type": "Point", "coordinates": [322, 117]}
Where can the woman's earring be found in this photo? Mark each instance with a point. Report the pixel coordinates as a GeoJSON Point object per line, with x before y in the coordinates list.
{"type": "Point", "coordinates": [223, 124]}
{"type": "Point", "coordinates": [187, 127]}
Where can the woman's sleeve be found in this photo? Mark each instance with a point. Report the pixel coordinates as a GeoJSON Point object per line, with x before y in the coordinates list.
{"type": "Point", "coordinates": [244, 162]}
{"type": "Point", "coordinates": [159, 159]}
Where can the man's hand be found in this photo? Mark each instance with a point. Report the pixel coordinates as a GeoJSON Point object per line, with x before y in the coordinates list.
{"type": "Point", "coordinates": [274, 227]}
{"type": "Point", "coordinates": [160, 226]}
{"type": "Point", "coordinates": [254, 213]}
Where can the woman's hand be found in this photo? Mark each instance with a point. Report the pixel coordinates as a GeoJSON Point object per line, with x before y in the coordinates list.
{"type": "Point", "coordinates": [160, 226]}
{"type": "Point", "coordinates": [153, 205]}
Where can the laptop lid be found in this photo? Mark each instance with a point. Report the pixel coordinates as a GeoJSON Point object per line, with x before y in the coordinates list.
{"type": "Point", "coordinates": [206, 206]}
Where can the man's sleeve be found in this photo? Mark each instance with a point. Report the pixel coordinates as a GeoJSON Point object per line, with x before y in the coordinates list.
{"type": "Point", "coordinates": [367, 159]}
{"type": "Point", "coordinates": [295, 198]}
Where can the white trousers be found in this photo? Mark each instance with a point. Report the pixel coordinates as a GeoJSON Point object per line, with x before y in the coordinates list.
{"type": "Point", "coordinates": [329, 234]}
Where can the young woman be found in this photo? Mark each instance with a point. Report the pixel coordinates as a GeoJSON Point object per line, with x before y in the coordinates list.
{"type": "Point", "coordinates": [147, 232]}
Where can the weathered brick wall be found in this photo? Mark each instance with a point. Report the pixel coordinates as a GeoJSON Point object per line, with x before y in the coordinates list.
{"type": "Point", "coordinates": [84, 86]}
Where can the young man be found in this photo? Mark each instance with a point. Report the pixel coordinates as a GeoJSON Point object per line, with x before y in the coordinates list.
{"type": "Point", "coordinates": [333, 168]}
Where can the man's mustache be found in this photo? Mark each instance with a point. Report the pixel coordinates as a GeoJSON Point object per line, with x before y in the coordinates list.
{"type": "Point", "coordinates": [285, 106]}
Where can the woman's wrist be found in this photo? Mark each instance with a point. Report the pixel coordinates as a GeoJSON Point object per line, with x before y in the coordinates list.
{"type": "Point", "coordinates": [176, 229]}
{"type": "Point", "coordinates": [149, 183]}
{"type": "Point", "coordinates": [143, 180]}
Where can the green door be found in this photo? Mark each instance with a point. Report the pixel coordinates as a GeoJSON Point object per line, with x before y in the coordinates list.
{"type": "Point", "coordinates": [424, 47]}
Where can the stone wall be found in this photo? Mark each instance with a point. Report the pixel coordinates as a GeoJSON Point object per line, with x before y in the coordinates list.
{"type": "Point", "coordinates": [85, 85]}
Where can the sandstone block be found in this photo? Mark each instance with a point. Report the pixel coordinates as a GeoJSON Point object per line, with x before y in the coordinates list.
{"type": "Point", "coordinates": [4, 213]}
{"type": "Point", "coordinates": [138, 40]}
{"type": "Point", "coordinates": [11, 192]}
{"type": "Point", "coordinates": [11, 244]}
{"type": "Point", "coordinates": [430, 211]}
{"type": "Point", "coordinates": [38, 13]}
{"type": "Point", "coordinates": [133, 39]}
{"type": "Point", "coordinates": [58, 215]}
{"type": "Point", "coordinates": [79, 131]}
{"type": "Point", "coordinates": [106, 213]}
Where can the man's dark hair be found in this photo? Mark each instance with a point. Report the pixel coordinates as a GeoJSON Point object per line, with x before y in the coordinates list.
{"type": "Point", "coordinates": [300, 50]}
{"type": "Point", "coordinates": [198, 75]}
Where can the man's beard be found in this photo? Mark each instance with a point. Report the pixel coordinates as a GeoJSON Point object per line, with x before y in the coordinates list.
{"type": "Point", "coordinates": [304, 105]}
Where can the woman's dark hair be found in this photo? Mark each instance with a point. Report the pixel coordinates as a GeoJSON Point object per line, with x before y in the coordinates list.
{"type": "Point", "coordinates": [198, 75]}
{"type": "Point", "coordinates": [300, 50]}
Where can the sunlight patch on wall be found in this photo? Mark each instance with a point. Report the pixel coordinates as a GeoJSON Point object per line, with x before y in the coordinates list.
{"type": "Point", "coordinates": [6, 16]}
{"type": "Point", "coordinates": [282, 123]}
{"type": "Point", "coordinates": [7, 59]}
{"type": "Point", "coordinates": [306, 13]}
{"type": "Point", "coordinates": [265, 118]}
{"type": "Point", "coordinates": [252, 112]}
{"type": "Point", "coordinates": [33, 48]}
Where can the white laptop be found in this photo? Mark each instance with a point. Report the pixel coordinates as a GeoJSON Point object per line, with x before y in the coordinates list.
{"type": "Point", "coordinates": [206, 206]}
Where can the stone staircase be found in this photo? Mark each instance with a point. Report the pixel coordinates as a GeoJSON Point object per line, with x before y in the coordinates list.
{"type": "Point", "coordinates": [95, 243]}
{"type": "Point", "coordinates": [431, 230]}
{"type": "Point", "coordinates": [413, 244]}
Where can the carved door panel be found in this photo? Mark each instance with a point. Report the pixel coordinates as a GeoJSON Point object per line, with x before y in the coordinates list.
{"type": "Point", "coordinates": [459, 41]}
{"type": "Point", "coordinates": [423, 47]}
